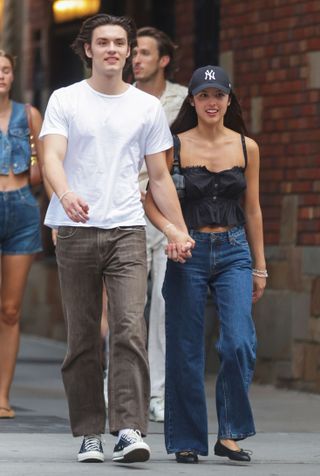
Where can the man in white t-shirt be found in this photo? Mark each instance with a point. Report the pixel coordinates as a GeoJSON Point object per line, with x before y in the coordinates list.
{"type": "Point", "coordinates": [96, 135]}
{"type": "Point", "coordinates": [153, 63]}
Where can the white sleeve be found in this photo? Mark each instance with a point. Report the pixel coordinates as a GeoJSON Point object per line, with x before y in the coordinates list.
{"type": "Point", "coordinates": [55, 120]}
{"type": "Point", "coordinates": [158, 137]}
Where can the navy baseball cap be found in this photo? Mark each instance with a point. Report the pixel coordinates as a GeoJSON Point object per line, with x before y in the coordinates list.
{"type": "Point", "coordinates": [209, 77]}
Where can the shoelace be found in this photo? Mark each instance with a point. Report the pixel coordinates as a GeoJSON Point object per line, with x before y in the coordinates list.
{"type": "Point", "coordinates": [132, 436]}
{"type": "Point", "coordinates": [157, 404]}
{"type": "Point", "coordinates": [92, 443]}
{"type": "Point", "coordinates": [160, 404]}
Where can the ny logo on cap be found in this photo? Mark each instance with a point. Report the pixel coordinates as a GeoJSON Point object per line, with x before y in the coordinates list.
{"type": "Point", "coordinates": [210, 74]}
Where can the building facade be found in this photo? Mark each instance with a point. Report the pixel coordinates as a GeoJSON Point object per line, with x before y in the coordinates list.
{"type": "Point", "coordinates": [271, 50]}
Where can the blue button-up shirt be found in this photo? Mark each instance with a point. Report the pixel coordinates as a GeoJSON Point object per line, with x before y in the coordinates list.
{"type": "Point", "coordinates": [15, 149]}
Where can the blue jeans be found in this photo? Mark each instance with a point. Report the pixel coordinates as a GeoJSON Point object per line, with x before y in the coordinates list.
{"type": "Point", "coordinates": [222, 262]}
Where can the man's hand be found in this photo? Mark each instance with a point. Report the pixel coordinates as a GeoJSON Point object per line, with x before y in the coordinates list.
{"type": "Point", "coordinates": [76, 208]}
{"type": "Point", "coordinates": [179, 245]}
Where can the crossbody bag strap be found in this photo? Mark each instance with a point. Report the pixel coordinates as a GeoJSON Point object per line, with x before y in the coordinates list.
{"type": "Point", "coordinates": [27, 107]}
{"type": "Point", "coordinates": [30, 125]}
{"type": "Point", "coordinates": [176, 155]}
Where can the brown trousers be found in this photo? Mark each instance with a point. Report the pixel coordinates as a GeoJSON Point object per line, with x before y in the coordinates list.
{"type": "Point", "coordinates": [85, 256]}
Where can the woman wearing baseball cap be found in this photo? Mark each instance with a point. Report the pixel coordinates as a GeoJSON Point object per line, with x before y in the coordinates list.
{"type": "Point", "coordinates": [217, 169]}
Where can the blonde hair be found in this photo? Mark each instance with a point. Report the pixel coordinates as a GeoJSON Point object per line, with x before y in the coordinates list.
{"type": "Point", "coordinates": [9, 57]}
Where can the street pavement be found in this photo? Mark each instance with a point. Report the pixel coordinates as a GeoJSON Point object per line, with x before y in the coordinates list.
{"type": "Point", "coordinates": [38, 441]}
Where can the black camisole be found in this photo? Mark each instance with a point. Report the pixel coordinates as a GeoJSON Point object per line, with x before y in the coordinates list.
{"type": "Point", "coordinates": [212, 198]}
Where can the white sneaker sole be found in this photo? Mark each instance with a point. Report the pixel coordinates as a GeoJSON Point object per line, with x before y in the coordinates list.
{"type": "Point", "coordinates": [91, 457]}
{"type": "Point", "coordinates": [135, 453]}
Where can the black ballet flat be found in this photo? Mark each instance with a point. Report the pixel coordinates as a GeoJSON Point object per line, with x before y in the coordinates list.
{"type": "Point", "coordinates": [189, 457]}
{"type": "Point", "coordinates": [221, 450]}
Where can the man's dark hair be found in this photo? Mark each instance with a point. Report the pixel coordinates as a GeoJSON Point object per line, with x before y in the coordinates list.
{"type": "Point", "coordinates": [166, 47]}
{"type": "Point", "coordinates": [101, 19]}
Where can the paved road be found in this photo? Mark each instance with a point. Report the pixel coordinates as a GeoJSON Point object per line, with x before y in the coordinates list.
{"type": "Point", "coordinates": [38, 441]}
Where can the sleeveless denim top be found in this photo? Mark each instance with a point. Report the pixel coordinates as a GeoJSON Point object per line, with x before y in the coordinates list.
{"type": "Point", "coordinates": [212, 198]}
{"type": "Point", "coordinates": [15, 149]}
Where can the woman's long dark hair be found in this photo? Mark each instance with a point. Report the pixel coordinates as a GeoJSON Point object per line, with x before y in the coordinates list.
{"type": "Point", "coordinates": [187, 117]}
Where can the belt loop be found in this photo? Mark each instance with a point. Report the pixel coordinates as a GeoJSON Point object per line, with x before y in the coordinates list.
{"type": "Point", "coordinates": [230, 237]}
{"type": "Point", "coordinates": [20, 194]}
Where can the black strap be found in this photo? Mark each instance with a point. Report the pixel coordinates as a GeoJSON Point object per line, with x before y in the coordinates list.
{"type": "Point", "coordinates": [176, 155]}
{"type": "Point", "coordinates": [244, 148]}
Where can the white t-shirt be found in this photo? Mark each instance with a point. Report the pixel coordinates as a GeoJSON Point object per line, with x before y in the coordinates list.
{"type": "Point", "coordinates": [108, 138]}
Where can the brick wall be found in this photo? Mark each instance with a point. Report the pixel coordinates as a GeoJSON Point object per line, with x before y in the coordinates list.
{"type": "Point", "coordinates": [185, 39]}
{"type": "Point", "coordinates": [35, 37]}
{"type": "Point", "coordinates": [273, 44]}
{"type": "Point", "coordinates": [272, 50]}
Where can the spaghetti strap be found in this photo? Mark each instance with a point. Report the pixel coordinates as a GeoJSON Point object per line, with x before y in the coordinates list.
{"type": "Point", "coordinates": [244, 148]}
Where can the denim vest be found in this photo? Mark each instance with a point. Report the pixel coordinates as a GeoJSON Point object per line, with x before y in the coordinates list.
{"type": "Point", "coordinates": [15, 149]}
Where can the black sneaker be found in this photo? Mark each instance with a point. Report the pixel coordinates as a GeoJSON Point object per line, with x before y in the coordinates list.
{"type": "Point", "coordinates": [91, 450]}
{"type": "Point", "coordinates": [131, 448]}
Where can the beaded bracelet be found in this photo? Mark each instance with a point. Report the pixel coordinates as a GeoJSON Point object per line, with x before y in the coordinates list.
{"type": "Point", "coordinates": [260, 273]}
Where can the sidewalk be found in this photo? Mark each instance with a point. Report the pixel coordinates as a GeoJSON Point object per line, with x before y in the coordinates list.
{"type": "Point", "coordinates": [38, 441]}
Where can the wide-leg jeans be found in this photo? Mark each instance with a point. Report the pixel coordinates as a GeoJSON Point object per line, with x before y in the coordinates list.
{"type": "Point", "coordinates": [222, 262]}
{"type": "Point", "coordinates": [85, 256]}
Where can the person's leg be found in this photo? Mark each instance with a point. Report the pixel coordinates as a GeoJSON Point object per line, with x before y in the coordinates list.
{"type": "Point", "coordinates": [185, 293]}
{"type": "Point", "coordinates": [19, 241]}
{"type": "Point", "coordinates": [156, 334]}
{"type": "Point", "coordinates": [125, 275]}
{"type": "Point", "coordinates": [149, 250]}
{"type": "Point", "coordinates": [14, 273]}
{"type": "Point", "coordinates": [104, 316]}
{"type": "Point", "coordinates": [232, 289]}
{"type": "Point", "coordinates": [129, 387]}
{"type": "Point", "coordinates": [105, 344]}
{"type": "Point", "coordinates": [81, 291]}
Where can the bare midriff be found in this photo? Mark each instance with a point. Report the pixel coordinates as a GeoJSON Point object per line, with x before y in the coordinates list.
{"type": "Point", "coordinates": [214, 229]}
{"type": "Point", "coordinates": [13, 182]}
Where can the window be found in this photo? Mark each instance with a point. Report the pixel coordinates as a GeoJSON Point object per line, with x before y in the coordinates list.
{"type": "Point", "coordinates": [207, 26]}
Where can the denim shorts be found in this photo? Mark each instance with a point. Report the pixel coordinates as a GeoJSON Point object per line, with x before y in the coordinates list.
{"type": "Point", "coordinates": [19, 223]}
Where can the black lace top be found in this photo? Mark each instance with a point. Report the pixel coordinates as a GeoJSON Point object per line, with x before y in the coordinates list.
{"type": "Point", "coordinates": [212, 198]}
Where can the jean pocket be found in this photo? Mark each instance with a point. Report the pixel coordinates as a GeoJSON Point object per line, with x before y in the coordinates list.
{"type": "Point", "coordinates": [140, 228]}
{"type": "Point", "coordinates": [240, 240]}
{"type": "Point", "coordinates": [29, 200]}
{"type": "Point", "coordinates": [65, 232]}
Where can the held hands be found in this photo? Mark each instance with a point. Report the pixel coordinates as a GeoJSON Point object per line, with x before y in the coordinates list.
{"type": "Point", "coordinates": [179, 244]}
{"type": "Point", "coordinates": [259, 283]}
{"type": "Point", "coordinates": [75, 207]}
